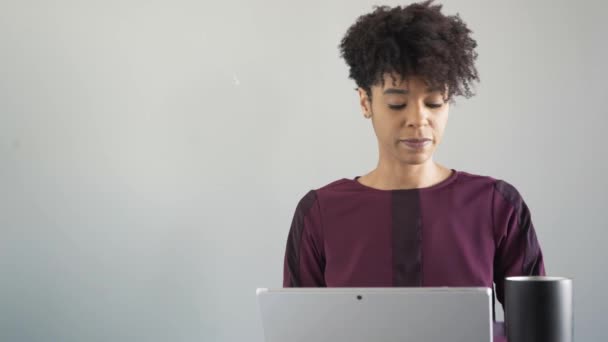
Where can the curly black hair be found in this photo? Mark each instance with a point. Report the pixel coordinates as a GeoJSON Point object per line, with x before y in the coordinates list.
{"type": "Point", "coordinates": [417, 40]}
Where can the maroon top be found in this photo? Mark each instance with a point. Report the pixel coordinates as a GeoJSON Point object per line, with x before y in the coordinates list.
{"type": "Point", "coordinates": [467, 230]}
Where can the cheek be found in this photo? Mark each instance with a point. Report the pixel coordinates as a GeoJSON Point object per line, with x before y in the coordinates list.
{"type": "Point", "coordinates": [383, 131]}
{"type": "Point", "coordinates": [383, 125]}
{"type": "Point", "coordinates": [438, 130]}
{"type": "Point", "coordinates": [441, 122]}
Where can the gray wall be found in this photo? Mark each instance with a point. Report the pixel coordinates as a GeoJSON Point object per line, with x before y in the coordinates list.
{"type": "Point", "coordinates": [152, 153]}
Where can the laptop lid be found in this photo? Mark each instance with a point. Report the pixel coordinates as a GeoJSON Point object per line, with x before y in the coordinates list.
{"type": "Point", "coordinates": [416, 314]}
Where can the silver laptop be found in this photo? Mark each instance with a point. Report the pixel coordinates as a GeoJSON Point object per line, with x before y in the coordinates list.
{"type": "Point", "coordinates": [415, 314]}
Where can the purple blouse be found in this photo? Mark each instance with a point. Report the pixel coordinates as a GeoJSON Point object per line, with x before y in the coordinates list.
{"type": "Point", "coordinates": [467, 230]}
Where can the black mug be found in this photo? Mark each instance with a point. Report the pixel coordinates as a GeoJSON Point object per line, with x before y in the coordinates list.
{"type": "Point", "coordinates": [539, 309]}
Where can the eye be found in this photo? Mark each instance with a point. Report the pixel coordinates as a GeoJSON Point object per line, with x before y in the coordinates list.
{"type": "Point", "coordinates": [430, 105]}
{"type": "Point", "coordinates": [396, 107]}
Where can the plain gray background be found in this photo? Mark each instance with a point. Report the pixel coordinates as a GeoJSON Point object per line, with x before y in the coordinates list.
{"type": "Point", "coordinates": [152, 152]}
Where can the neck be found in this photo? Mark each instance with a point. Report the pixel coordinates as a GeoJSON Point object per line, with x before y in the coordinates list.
{"type": "Point", "coordinates": [406, 176]}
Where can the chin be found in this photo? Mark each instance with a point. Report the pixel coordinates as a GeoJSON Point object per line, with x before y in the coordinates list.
{"type": "Point", "coordinates": [415, 160]}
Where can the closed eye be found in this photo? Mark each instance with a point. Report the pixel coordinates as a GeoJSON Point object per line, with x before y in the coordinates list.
{"type": "Point", "coordinates": [430, 105]}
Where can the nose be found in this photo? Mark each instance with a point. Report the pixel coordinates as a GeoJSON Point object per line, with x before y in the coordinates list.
{"type": "Point", "coordinates": [416, 115]}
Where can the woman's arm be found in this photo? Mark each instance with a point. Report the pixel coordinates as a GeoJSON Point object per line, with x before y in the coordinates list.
{"type": "Point", "coordinates": [304, 264]}
{"type": "Point", "coordinates": [518, 252]}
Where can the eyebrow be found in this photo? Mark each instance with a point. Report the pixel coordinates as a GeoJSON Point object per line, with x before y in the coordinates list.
{"type": "Point", "coordinates": [405, 91]}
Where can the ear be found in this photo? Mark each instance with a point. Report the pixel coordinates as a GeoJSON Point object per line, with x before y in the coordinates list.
{"type": "Point", "coordinates": [364, 101]}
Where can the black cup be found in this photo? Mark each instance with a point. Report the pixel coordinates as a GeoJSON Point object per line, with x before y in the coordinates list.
{"type": "Point", "coordinates": [539, 309]}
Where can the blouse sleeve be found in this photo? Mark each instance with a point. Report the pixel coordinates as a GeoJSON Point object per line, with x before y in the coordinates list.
{"type": "Point", "coordinates": [304, 263]}
{"type": "Point", "coordinates": [518, 252]}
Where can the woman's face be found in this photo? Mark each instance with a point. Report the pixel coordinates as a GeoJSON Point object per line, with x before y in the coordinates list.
{"type": "Point", "coordinates": [409, 118]}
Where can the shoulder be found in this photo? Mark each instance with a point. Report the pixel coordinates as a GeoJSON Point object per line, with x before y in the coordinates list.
{"type": "Point", "coordinates": [336, 187]}
{"type": "Point", "coordinates": [509, 193]}
{"type": "Point", "coordinates": [475, 180]}
{"type": "Point", "coordinates": [340, 188]}
{"type": "Point", "coordinates": [313, 195]}
{"type": "Point", "coordinates": [500, 186]}
{"type": "Point", "coordinates": [503, 192]}
{"type": "Point", "coordinates": [504, 198]}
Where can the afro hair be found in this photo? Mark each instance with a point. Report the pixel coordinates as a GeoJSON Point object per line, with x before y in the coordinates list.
{"type": "Point", "coordinates": [416, 40]}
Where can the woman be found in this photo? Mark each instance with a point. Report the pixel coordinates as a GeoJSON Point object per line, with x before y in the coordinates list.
{"type": "Point", "coordinates": [411, 221]}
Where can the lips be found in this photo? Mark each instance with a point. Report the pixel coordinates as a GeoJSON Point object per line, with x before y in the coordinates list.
{"type": "Point", "coordinates": [416, 144]}
{"type": "Point", "coordinates": [419, 140]}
